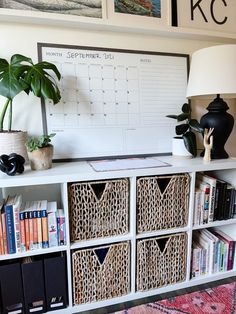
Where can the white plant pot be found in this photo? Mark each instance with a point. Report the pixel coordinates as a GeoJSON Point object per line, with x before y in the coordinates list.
{"type": "Point", "coordinates": [13, 142]}
{"type": "Point", "coordinates": [178, 148]}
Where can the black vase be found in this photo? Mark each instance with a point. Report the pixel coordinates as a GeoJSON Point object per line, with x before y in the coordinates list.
{"type": "Point", "coordinates": [222, 122]}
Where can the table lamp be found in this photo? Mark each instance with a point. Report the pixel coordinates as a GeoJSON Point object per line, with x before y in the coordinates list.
{"type": "Point", "coordinates": [213, 74]}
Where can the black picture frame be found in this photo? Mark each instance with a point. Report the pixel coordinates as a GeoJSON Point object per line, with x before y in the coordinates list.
{"type": "Point", "coordinates": [174, 13]}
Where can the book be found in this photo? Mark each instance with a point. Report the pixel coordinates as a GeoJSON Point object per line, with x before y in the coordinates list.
{"type": "Point", "coordinates": [228, 202]}
{"type": "Point", "coordinates": [26, 224]}
{"type": "Point", "coordinates": [39, 224]}
{"type": "Point", "coordinates": [52, 223]}
{"type": "Point", "coordinates": [204, 201]}
{"type": "Point", "coordinates": [12, 209]}
{"type": "Point", "coordinates": [231, 243]}
{"type": "Point", "coordinates": [195, 262]}
{"type": "Point", "coordinates": [1, 230]}
{"type": "Point", "coordinates": [219, 199]}
{"type": "Point", "coordinates": [4, 232]}
{"type": "Point", "coordinates": [212, 183]}
{"type": "Point", "coordinates": [30, 226]}
{"type": "Point", "coordinates": [204, 245]}
{"type": "Point", "coordinates": [22, 229]}
{"type": "Point", "coordinates": [10, 233]}
{"type": "Point", "coordinates": [44, 221]}
{"type": "Point", "coordinates": [213, 249]}
{"type": "Point", "coordinates": [61, 227]}
{"type": "Point", "coordinates": [197, 206]}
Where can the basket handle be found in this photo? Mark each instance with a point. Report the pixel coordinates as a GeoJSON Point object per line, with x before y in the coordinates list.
{"type": "Point", "coordinates": [98, 190]}
{"type": "Point", "coordinates": [101, 254]}
{"type": "Point", "coordinates": [162, 244]}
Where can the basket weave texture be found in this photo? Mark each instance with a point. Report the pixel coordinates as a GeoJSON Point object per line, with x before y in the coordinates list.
{"type": "Point", "coordinates": [94, 280]}
{"type": "Point", "coordinates": [161, 261]}
{"type": "Point", "coordinates": [98, 209]}
{"type": "Point", "coordinates": [162, 202]}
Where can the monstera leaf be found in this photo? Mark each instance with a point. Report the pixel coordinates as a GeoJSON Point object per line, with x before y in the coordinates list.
{"type": "Point", "coordinates": [42, 83]}
{"type": "Point", "coordinates": [21, 74]}
{"type": "Point", "coordinates": [11, 76]}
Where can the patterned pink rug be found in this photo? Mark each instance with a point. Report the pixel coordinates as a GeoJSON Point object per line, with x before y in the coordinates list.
{"type": "Point", "coordinates": [221, 299]}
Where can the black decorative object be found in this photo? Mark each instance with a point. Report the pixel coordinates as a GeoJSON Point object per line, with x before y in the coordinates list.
{"type": "Point", "coordinates": [213, 72]}
{"type": "Point", "coordinates": [222, 122]}
{"type": "Point", "coordinates": [12, 164]}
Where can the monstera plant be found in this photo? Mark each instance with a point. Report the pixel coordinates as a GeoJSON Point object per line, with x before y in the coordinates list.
{"type": "Point", "coordinates": [18, 75]}
{"type": "Point", "coordinates": [21, 74]}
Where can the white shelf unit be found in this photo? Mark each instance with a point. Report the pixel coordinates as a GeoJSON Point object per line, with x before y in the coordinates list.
{"type": "Point", "coordinates": [53, 183]}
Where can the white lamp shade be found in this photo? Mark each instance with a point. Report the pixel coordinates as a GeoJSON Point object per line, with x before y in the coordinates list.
{"type": "Point", "coordinates": [213, 71]}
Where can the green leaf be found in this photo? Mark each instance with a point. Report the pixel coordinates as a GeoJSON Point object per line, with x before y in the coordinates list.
{"type": "Point", "coordinates": [186, 108]}
{"type": "Point", "coordinates": [190, 143]}
{"type": "Point", "coordinates": [172, 116]}
{"type": "Point", "coordinates": [11, 82]}
{"type": "Point", "coordinates": [195, 125]}
{"type": "Point", "coordinates": [34, 143]}
{"type": "Point", "coordinates": [42, 83]}
{"type": "Point", "coordinates": [182, 117]}
{"type": "Point", "coordinates": [17, 60]}
{"type": "Point", "coordinates": [181, 129]}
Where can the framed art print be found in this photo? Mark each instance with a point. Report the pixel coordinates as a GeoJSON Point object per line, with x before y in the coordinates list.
{"type": "Point", "coordinates": [214, 16]}
{"type": "Point", "coordinates": [53, 12]}
{"type": "Point", "coordinates": [149, 13]}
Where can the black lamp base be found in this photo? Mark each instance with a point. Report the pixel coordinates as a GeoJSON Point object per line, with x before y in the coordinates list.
{"type": "Point", "coordinates": [222, 122]}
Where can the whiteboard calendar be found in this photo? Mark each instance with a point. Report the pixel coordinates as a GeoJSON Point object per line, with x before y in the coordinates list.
{"type": "Point", "coordinates": [114, 102]}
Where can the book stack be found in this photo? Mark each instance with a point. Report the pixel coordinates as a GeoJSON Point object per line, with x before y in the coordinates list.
{"type": "Point", "coordinates": [30, 225]}
{"type": "Point", "coordinates": [214, 200]}
{"type": "Point", "coordinates": [212, 252]}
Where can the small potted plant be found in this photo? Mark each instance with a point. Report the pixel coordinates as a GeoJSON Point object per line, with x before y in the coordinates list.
{"type": "Point", "coordinates": [40, 151]}
{"type": "Point", "coordinates": [22, 75]}
{"type": "Point", "coordinates": [186, 138]}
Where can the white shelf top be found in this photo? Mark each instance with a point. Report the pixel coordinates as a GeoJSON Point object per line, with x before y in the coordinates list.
{"type": "Point", "coordinates": [105, 24]}
{"type": "Point", "coordinates": [82, 171]}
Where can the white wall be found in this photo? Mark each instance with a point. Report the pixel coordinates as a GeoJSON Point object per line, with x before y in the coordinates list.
{"type": "Point", "coordinates": [23, 39]}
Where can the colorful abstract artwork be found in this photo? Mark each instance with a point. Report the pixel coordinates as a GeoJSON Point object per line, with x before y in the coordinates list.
{"type": "Point", "coordinates": [89, 8]}
{"type": "Point", "coordinates": [139, 7]}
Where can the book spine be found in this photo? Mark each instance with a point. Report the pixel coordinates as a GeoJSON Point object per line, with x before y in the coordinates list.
{"type": "Point", "coordinates": [222, 256]}
{"type": "Point", "coordinates": [27, 236]}
{"type": "Point", "coordinates": [203, 261]}
{"type": "Point", "coordinates": [17, 227]}
{"type": "Point", "coordinates": [31, 230]}
{"type": "Point", "coordinates": [45, 243]}
{"type": "Point", "coordinates": [61, 232]}
{"type": "Point", "coordinates": [216, 256]}
{"type": "Point", "coordinates": [226, 255]}
{"type": "Point", "coordinates": [4, 232]}
{"type": "Point", "coordinates": [1, 239]}
{"type": "Point", "coordinates": [212, 203]}
{"type": "Point", "coordinates": [10, 229]}
{"type": "Point", "coordinates": [197, 208]}
{"type": "Point", "coordinates": [35, 230]}
{"type": "Point", "coordinates": [206, 205]}
{"type": "Point", "coordinates": [196, 255]}
{"type": "Point", "coordinates": [231, 254]}
{"type": "Point", "coordinates": [22, 232]}
{"type": "Point", "coordinates": [222, 202]}
{"type": "Point", "coordinates": [52, 229]}
{"type": "Point", "coordinates": [39, 229]}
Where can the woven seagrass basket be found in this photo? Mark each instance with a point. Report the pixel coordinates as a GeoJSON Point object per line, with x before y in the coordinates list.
{"type": "Point", "coordinates": [98, 209]}
{"type": "Point", "coordinates": [101, 273]}
{"type": "Point", "coordinates": [162, 202]}
{"type": "Point", "coordinates": [161, 261]}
